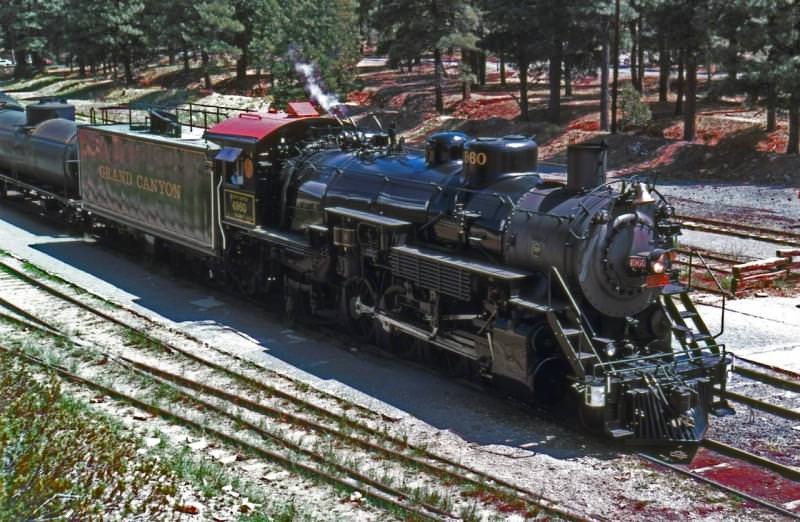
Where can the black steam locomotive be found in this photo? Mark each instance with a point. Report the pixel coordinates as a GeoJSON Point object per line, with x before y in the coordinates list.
{"type": "Point", "coordinates": [559, 290]}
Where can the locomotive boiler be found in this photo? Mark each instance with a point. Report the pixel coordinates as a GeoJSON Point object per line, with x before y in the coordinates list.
{"type": "Point", "coordinates": [557, 288]}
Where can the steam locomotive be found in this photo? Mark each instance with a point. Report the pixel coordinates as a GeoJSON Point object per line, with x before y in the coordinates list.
{"type": "Point", "coordinates": [561, 291]}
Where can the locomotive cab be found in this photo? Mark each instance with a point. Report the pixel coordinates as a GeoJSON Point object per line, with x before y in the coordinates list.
{"type": "Point", "coordinates": [254, 146]}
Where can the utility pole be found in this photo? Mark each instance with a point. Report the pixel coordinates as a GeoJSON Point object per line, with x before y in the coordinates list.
{"type": "Point", "coordinates": [615, 85]}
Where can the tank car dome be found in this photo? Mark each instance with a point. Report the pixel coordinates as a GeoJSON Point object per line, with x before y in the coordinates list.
{"type": "Point", "coordinates": [58, 130]}
{"type": "Point", "coordinates": [444, 147]}
{"type": "Point", "coordinates": [48, 110]}
{"type": "Point", "coordinates": [487, 159]}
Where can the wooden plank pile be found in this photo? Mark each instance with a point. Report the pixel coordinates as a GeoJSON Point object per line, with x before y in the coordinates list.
{"type": "Point", "coordinates": [757, 274]}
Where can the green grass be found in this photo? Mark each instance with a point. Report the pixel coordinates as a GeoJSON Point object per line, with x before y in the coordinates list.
{"type": "Point", "coordinates": [63, 461]}
{"type": "Point", "coordinates": [210, 478]}
{"type": "Point", "coordinates": [140, 340]}
{"type": "Point", "coordinates": [31, 84]}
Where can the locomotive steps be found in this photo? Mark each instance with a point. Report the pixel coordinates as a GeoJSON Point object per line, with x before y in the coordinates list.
{"type": "Point", "coordinates": [255, 410]}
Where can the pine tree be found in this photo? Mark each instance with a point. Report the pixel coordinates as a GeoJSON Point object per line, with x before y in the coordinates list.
{"type": "Point", "coordinates": [408, 28]}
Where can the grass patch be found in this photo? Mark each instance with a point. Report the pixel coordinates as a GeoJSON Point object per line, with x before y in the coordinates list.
{"type": "Point", "coordinates": [31, 84]}
{"type": "Point", "coordinates": [140, 340]}
{"type": "Point", "coordinates": [63, 461]}
{"type": "Point", "coordinates": [211, 477]}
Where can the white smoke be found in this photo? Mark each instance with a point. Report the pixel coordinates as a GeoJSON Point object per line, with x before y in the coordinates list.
{"type": "Point", "coordinates": [314, 86]}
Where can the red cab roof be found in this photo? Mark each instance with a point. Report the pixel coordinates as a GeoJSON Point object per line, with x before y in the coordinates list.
{"type": "Point", "coordinates": [251, 125]}
{"type": "Point", "coordinates": [257, 126]}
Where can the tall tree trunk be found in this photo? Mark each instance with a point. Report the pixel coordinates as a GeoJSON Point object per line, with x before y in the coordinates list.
{"type": "Point", "coordinates": [21, 69]}
{"type": "Point", "coordinates": [615, 84]}
{"type": "Point", "coordinates": [711, 94]}
{"type": "Point", "coordinates": [171, 55]}
{"type": "Point", "coordinates": [523, 65]}
{"type": "Point", "coordinates": [640, 58]}
{"type": "Point", "coordinates": [206, 69]}
{"type": "Point", "coordinates": [502, 69]}
{"type": "Point", "coordinates": [604, 78]}
{"type": "Point", "coordinates": [691, 96]}
{"type": "Point", "coordinates": [634, 70]}
{"type": "Point", "coordinates": [567, 76]}
{"type": "Point", "coordinates": [679, 99]}
{"type": "Point", "coordinates": [554, 102]}
{"type": "Point", "coordinates": [772, 102]}
{"type": "Point", "coordinates": [82, 66]}
{"type": "Point", "coordinates": [481, 68]}
{"type": "Point", "coordinates": [437, 80]}
{"type": "Point", "coordinates": [126, 62]}
{"type": "Point", "coordinates": [663, 68]}
{"type": "Point", "coordinates": [241, 67]}
{"type": "Point", "coordinates": [733, 62]}
{"type": "Point", "coordinates": [793, 147]}
{"type": "Point", "coordinates": [186, 67]}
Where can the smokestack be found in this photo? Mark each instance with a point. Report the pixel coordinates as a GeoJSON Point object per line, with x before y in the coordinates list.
{"type": "Point", "coordinates": [586, 166]}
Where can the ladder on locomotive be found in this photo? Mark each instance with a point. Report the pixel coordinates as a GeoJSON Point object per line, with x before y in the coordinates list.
{"type": "Point", "coordinates": [686, 323]}
{"type": "Point", "coordinates": [574, 333]}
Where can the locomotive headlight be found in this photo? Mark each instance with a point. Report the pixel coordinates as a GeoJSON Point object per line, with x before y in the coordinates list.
{"type": "Point", "coordinates": [658, 262]}
{"type": "Point", "coordinates": [611, 350]}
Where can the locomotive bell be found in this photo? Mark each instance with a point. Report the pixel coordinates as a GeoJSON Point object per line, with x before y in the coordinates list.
{"type": "Point", "coordinates": [444, 147]}
{"type": "Point", "coordinates": [586, 166]}
{"type": "Point", "coordinates": [643, 195]}
{"type": "Point", "coordinates": [488, 159]}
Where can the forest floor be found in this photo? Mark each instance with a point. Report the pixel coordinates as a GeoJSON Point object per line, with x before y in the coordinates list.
{"type": "Point", "coordinates": [731, 144]}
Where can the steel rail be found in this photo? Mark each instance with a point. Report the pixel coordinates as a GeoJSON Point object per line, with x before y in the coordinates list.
{"type": "Point", "coordinates": [778, 369]}
{"type": "Point", "coordinates": [742, 226]}
{"type": "Point", "coordinates": [526, 495]}
{"type": "Point", "coordinates": [230, 439]}
{"type": "Point", "coordinates": [155, 375]}
{"type": "Point", "coordinates": [787, 384]}
{"type": "Point", "coordinates": [169, 379]}
{"type": "Point", "coordinates": [739, 230]}
{"type": "Point", "coordinates": [762, 405]}
{"type": "Point", "coordinates": [719, 485]}
{"type": "Point", "coordinates": [789, 472]}
{"type": "Point", "coordinates": [167, 328]}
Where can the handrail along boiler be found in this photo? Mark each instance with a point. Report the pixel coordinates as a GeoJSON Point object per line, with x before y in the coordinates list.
{"type": "Point", "coordinates": [466, 253]}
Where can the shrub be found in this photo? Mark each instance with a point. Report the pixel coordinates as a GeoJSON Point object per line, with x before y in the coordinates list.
{"type": "Point", "coordinates": [635, 112]}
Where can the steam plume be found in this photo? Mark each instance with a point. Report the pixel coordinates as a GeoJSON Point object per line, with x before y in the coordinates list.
{"type": "Point", "coordinates": [314, 85]}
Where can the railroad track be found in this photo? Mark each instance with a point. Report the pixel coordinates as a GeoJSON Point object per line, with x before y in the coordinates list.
{"type": "Point", "coordinates": [741, 230]}
{"type": "Point", "coordinates": [783, 380]}
{"type": "Point", "coordinates": [753, 477]}
{"type": "Point", "coordinates": [742, 474]}
{"type": "Point", "coordinates": [316, 432]}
